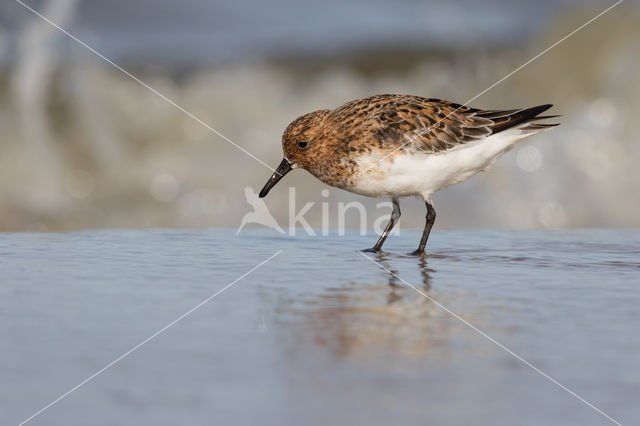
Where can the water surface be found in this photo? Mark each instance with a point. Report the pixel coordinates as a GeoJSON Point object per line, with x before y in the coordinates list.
{"type": "Point", "coordinates": [320, 334]}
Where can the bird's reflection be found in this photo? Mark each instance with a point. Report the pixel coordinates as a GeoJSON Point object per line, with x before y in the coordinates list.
{"type": "Point", "coordinates": [382, 316]}
{"type": "Point", "coordinates": [384, 259]}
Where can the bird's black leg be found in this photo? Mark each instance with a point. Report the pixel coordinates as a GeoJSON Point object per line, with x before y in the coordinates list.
{"type": "Point", "coordinates": [395, 215]}
{"type": "Point", "coordinates": [431, 218]}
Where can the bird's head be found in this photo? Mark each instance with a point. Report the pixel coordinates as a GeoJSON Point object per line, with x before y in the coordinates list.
{"type": "Point", "coordinates": [301, 142]}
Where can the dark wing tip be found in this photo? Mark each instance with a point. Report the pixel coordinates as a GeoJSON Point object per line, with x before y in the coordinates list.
{"type": "Point", "coordinates": [544, 117]}
{"type": "Point", "coordinates": [532, 112]}
{"type": "Point", "coordinates": [513, 118]}
{"type": "Point", "coordinates": [540, 108]}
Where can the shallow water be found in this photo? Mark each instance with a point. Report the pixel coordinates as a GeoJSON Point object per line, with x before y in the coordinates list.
{"type": "Point", "coordinates": [205, 31]}
{"type": "Point", "coordinates": [320, 334]}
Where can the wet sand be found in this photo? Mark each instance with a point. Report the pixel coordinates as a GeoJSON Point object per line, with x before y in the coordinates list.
{"type": "Point", "coordinates": [319, 334]}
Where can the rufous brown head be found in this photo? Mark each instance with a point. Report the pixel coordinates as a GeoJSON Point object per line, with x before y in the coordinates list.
{"type": "Point", "coordinates": [300, 141]}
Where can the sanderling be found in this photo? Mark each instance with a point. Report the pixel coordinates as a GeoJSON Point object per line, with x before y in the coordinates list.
{"type": "Point", "coordinates": [401, 145]}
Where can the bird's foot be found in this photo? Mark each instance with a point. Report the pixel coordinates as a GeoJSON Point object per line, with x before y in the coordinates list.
{"type": "Point", "coordinates": [371, 250]}
{"type": "Point", "coordinates": [418, 252]}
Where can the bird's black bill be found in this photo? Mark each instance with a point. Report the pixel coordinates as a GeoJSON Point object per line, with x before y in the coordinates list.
{"type": "Point", "coordinates": [283, 169]}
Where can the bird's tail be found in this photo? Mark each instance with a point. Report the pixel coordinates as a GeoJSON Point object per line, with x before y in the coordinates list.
{"type": "Point", "coordinates": [525, 119]}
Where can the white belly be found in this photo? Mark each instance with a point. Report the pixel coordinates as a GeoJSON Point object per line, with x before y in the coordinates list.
{"type": "Point", "coordinates": [423, 173]}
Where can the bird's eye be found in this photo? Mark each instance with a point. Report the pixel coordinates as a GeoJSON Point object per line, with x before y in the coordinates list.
{"type": "Point", "coordinates": [303, 144]}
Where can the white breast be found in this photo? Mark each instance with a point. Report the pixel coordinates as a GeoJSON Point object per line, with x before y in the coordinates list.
{"type": "Point", "coordinates": [422, 174]}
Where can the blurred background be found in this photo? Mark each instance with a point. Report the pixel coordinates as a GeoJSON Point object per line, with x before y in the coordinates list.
{"type": "Point", "coordinates": [82, 145]}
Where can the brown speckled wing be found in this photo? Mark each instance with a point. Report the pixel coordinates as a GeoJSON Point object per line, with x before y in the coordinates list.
{"type": "Point", "coordinates": [424, 124]}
